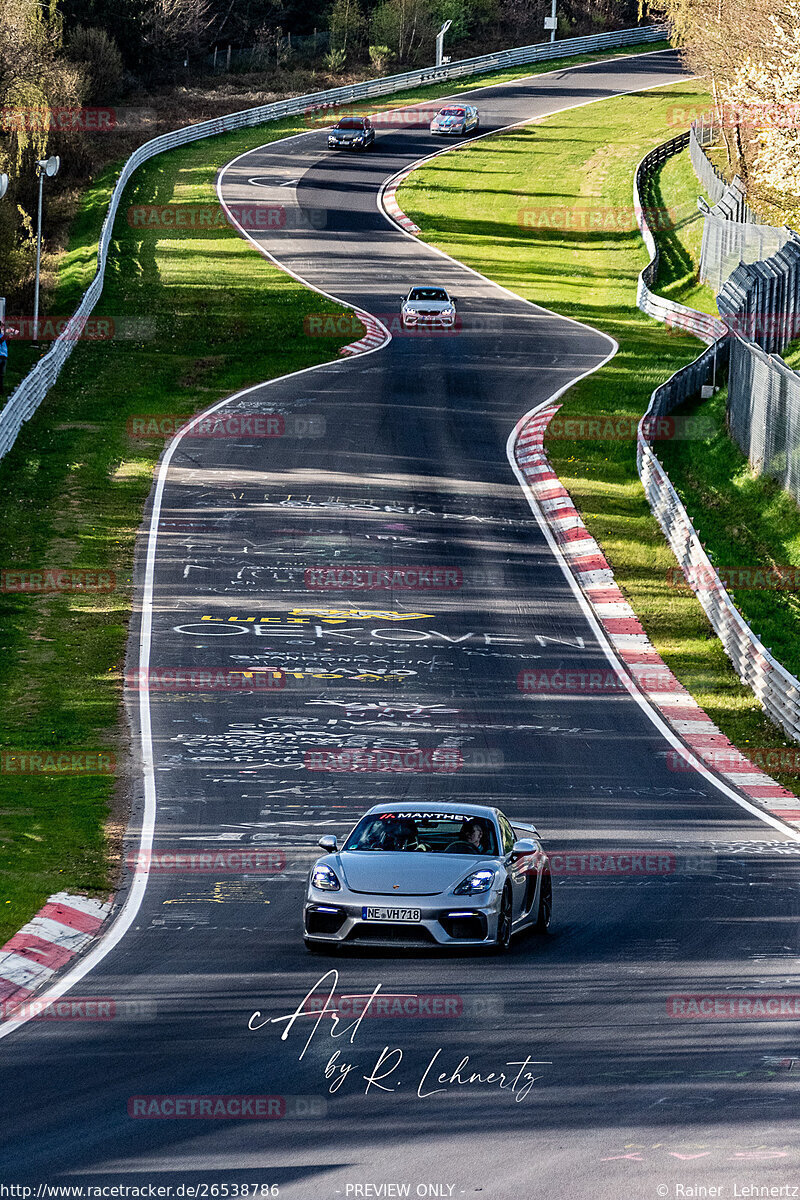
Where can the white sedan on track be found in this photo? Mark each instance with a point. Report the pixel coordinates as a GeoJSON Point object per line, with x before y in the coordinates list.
{"type": "Point", "coordinates": [428, 306]}
{"type": "Point", "coordinates": [456, 118]}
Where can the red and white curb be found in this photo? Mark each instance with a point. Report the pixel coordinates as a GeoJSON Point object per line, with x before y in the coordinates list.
{"type": "Point", "coordinates": [375, 336]}
{"type": "Point", "coordinates": [59, 931]}
{"type": "Point", "coordinates": [389, 199]}
{"type": "Point", "coordinates": [675, 704]}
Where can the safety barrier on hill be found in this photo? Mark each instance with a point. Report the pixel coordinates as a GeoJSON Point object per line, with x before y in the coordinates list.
{"type": "Point", "coordinates": [732, 233]}
{"type": "Point", "coordinates": [25, 400]}
{"type": "Point", "coordinates": [703, 325]}
{"type": "Point", "coordinates": [777, 690]}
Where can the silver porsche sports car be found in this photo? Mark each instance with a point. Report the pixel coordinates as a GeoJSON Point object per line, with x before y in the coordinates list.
{"type": "Point", "coordinates": [446, 874]}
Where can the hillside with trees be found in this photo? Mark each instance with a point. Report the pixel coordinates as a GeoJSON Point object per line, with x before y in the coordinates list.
{"type": "Point", "coordinates": [180, 61]}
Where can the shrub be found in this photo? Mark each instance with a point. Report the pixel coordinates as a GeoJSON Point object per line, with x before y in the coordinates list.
{"type": "Point", "coordinates": [99, 56]}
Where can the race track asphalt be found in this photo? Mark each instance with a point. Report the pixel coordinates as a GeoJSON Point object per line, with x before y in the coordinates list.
{"type": "Point", "coordinates": [398, 458]}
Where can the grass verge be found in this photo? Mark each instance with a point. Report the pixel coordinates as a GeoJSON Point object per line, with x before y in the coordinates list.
{"type": "Point", "coordinates": [671, 195]}
{"type": "Point", "coordinates": [72, 491]}
{"type": "Point", "coordinates": [73, 488]}
{"type": "Point", "coordinates": [589, 273]}
{"type": "Point", "coordinates": [75, 267]}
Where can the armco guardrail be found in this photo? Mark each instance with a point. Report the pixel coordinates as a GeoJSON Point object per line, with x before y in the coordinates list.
{"type": "Point", "coordinates": [28, 396]}
{"type": "Point", "coordinates": [708, 328]}
{"type": "Point", "coordinates": [776, 689]}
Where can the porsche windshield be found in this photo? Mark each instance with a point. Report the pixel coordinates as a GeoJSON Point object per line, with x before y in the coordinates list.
{"type": "Point", "coordinates": [440, 833]}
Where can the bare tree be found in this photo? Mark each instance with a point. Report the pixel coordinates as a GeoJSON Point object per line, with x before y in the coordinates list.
{"type": "Point", "coordinates": [176, 28]}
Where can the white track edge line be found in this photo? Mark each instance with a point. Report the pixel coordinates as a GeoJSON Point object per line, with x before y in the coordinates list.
{"type": "Point", "coordinates": [599, 633]}
{"type": "Point", "coordinates": [133, 900]}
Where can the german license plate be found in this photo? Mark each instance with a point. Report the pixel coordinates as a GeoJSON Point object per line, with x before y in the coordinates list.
{"type": "Point", "coordinates": [402, 915]}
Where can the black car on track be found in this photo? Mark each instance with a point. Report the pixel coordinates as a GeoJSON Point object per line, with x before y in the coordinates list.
{"type": "Point", "coordinates": [352, 133]}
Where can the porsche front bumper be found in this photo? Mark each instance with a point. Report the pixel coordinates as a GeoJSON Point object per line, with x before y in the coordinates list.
{"type": "Point", "coordinates": [444, 920]}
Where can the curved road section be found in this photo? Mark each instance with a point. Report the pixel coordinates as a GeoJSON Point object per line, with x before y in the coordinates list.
{"type": "Point", "coordinates": [593, 1061]}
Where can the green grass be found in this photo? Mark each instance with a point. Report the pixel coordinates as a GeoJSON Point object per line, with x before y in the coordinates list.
{"type": "Point", "coordinates": [72, 490]}
{"type": "Point", "coordinates": [569, 162]}
{"type": "Point", "coordinates": [678, 224]}
{"type": "Point", "coordinates": [744, 520]}
{"type": "Point", "coordinates": [77, 266]}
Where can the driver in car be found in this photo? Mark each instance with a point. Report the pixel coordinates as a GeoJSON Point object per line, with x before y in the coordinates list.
{"type": "Point", "coordinates": [474, 833]}
{"type": "Point", "coordinates": [407, 836]}
{"type": "Point", "coordinates": [471, 839]}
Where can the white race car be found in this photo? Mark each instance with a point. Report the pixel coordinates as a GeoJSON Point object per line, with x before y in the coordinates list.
{"type": "Point", "coordinates": [456, 118]}
{"type": "Point", "coordinates": [434, 874]}
{"type": "Point", "coordinates": [428, 306]}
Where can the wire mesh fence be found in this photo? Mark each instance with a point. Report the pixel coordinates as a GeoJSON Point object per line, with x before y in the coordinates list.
{"type": "Point", "coordinates": [732, 233]}
{"type": "Point", "coordinates": [777, 690]}
{"type": "Point", "coordinates": [764, 413]}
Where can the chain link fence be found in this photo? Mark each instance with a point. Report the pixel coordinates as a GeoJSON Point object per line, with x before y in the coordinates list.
{"type": "Point", "coordinates": [764, 413]}
{"type": "Point", "coordinates": [732, 233]}
{"type": "Point", "coordinates": [777, 690]}
{"type": "Point", "coordinates": [759, 301]}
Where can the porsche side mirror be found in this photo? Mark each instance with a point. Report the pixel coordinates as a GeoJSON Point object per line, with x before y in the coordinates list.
{"type": "Point", "coordinates": [328, 843]}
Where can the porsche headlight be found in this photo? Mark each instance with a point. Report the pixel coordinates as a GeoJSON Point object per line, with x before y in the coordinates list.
{"type": "Point", "coordinates": [474, 884]}
{"type": "Point", "coordinates": [324, 878]}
